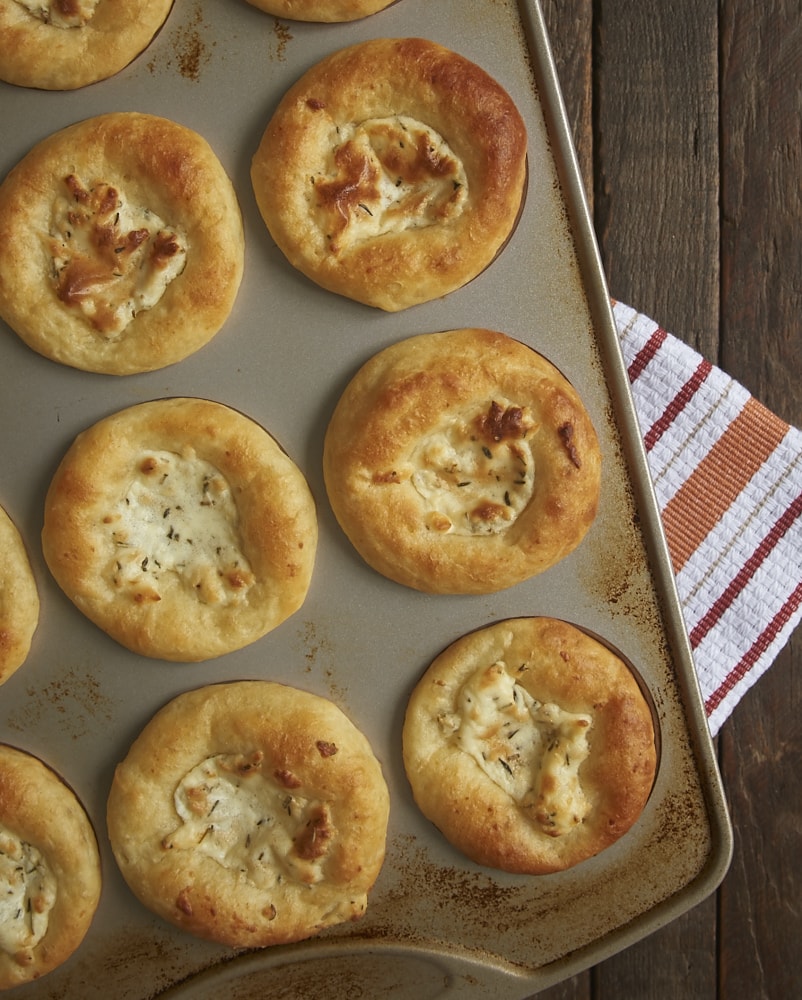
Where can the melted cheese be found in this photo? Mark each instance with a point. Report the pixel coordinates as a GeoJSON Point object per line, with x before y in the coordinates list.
{"type": "Point", "coordinates": [27, 894]}
{"type": "Point", "coordinates": [252, 823]}
{"type": "Point", "coordinates": [61, 13]}
{"type": "Point", "coordinates": [178, 520]}
{"type": "Point", "coordinates": [385, 175]}
{"type": "Point", "coordinates": [530, 749]}
{"type": "Point", "coordinates": [474, 480]}
{"type": "Point", "coordinates": [111, 259]}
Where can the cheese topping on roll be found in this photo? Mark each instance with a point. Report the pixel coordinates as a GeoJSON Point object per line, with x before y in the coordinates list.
{"type": "Point", "coordinates": [178, 521]}
{"type": "Point", "coordinates": [530, 749]}
{"type": "Point", "coordinates": [111, 259]}
{"type": "Point", "coordinates": [61, 13]}
{"type": "Point", "coordinates": [476, 474]}
{"type": "Point", "coordinates": [385, 175]}
{"type": "Point", "coordinates": [27, 894]}
{"type": "Point", "coordinates": [251, 822]}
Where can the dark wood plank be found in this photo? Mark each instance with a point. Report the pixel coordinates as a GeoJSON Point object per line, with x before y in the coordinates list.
{"type": "Point", "coordinates": [577, 988]}
{"type": "Point", "coordinates": [656, 169]}
{"type": "Point", "coordinates": [570, 27]}
{"type": "Point", "coordinates": [761, 922]}
{"type": "Point", "coordinates": [762, 199]}
{"type": "Point", "coordinates": [761, 746]}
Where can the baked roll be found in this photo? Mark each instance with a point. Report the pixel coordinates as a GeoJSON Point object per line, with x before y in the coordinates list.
{"type": "Point", "coordinates": [250, 813]}
{"type": "Point", "coordinates": [180, 528]}
{"type": "Point", "coordinates": [392, 172]}
{"type": "Point", "coordinates": [52, 45]}
{"type": "Point", "coordinates": [19, 599]}
{"type": "Point", "coordinates": [322, 10]}
{"type": "Point", "coordinates": [121, 244]}
{"type": "Point", "coordinates": [50, 875]}
{"type": "Point", "coordinates": [461, 462]}
{"type": "Point", "coordinates": [530, 745]}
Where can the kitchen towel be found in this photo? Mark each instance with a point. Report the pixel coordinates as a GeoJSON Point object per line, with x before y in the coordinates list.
{"type": "Point", "coordinates": [728, 477]}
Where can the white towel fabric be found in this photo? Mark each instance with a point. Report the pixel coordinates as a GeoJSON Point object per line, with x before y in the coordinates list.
{"type": "Point", "coordinates": [728, 478]}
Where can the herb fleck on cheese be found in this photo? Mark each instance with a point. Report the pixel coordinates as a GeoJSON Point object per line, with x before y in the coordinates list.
{"type": "Point", "coordinates": [385, 175]}
{"type": "Point", "coordinates": [177, 524]}
{"type": "Point", "coordinates": [111, 259]}
{"type": "Point", "coordinates": [27, 894]}
{"type": "Point", "coordinates": [60, 14]}
{"type": "Point", "coordinates": [531, 749]}
{"type": "Point", "coordinates": [476, 473]}
{"type": "Point", "coordinates": [251, 821]}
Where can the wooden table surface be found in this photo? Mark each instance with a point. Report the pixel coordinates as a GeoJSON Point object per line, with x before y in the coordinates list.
{"type": "Point", "coordinates": [687, 117]}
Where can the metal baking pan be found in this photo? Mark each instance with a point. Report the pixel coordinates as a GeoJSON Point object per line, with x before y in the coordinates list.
{"type": "Point", "coordinates": [436, 925]}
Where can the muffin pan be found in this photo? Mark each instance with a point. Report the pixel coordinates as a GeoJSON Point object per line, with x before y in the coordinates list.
{"type": "Point", "coordinates": [437, 925]}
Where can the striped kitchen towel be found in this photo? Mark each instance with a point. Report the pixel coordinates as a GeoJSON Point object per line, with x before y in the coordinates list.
{"type": "Point", "coordinates": [728, 477]}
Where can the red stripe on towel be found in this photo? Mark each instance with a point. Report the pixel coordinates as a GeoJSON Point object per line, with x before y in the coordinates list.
{"type": "Point", "coordinates": [646, 353]}
{"type": "Point", "coordinates": [745, 574]}
{"type": "Point", "coordinates": [677, 405]}
{"type": "Point", "coordinates": [761, 644]}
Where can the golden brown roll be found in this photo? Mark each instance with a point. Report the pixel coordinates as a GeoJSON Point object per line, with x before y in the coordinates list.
{"type": "Point", "coordinates": [461, 462]}
{"type": "Point", "coordinates": [50, 876]}
{"type": "Point", "coordinates": [392, 172]}
{"type": "Point", "coordinates": [180, 528]}
{"type": "Point", "coordinates": [19, 599]}
{"type": "Point", "coordinates": [322, 10]}
{"type": "Point", "coordinates": [121, 244]}
{"type": "Point", "coordinates": [62, 46]}
{"type": "Point", "coordinates": [530, 745]}
{"type": "Point", "coordinates": [250, 813]}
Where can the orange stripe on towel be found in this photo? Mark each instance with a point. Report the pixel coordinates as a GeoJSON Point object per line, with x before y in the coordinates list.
{"type": "Point", "coordinates": [718, 479]}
